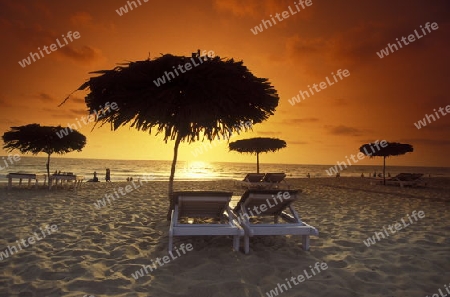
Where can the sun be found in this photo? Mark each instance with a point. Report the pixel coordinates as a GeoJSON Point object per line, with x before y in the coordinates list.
{"type": "Point", "coordinates": [197, 170]}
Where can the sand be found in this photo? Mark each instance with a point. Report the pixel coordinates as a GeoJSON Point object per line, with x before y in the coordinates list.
{"type": "Point", "coordinates": [96, 251]}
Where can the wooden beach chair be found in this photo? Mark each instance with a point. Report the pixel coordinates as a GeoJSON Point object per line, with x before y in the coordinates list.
{"type": "Point", "coordinates": [203, 204]}
{"type": "Point", "coordinates": [269, 203]}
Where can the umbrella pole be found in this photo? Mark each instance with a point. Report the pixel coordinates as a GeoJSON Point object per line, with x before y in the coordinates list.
{"type": "Point", "coordinates": [172, 175]}
{"type": "Point", "coordinates": [384, 170]}
{"type": "Point", "coordinates": [48, 171]}
{"type": "Point", "coordinates": [257, 162]}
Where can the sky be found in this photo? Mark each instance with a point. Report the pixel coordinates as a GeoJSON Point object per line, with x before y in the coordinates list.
{"type": "Point", "coordinates": [382, 97]}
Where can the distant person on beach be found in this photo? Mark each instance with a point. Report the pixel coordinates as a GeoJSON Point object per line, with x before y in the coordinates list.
{"type": "Point", "coordinates": [308, 176]}
{"type": "Point", "coordinates": [338, 174]}
{"type": "Point", "coordinates": [108, 175]}
{"type": "Point", "coordinates": [389, 174]}
{"type": "Point", "coordinates": [95, 179]}
{"type": "Point", "coordinates": [375, 174]}
{"type": "Point", "coordinates": [362, 174]}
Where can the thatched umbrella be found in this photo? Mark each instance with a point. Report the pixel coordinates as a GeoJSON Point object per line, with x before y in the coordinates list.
{"type": "Point", "coordinates": [207, 98]}
{"type": "Point", "coordinates": [385, 149]}
{"type": "Point", "coordinates": [256, 146]}
{"type": "Point", "coordinates": [34, 138]}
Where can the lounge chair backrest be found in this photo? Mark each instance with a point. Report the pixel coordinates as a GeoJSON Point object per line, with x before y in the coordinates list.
{"type": "Point", "coordinates": [274, 203]}
{"type": "Point", "coordinates": [202, 204]}
{"type": "Point", "coordinates": [253, 177]}
{"type": "Point", "coordinates": [417, 175]}
{"type": "Point", "coordinates": [274, 177]}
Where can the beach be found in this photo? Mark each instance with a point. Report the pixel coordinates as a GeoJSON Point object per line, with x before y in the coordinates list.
{"type": "Point", "coordinates": [96, 250]}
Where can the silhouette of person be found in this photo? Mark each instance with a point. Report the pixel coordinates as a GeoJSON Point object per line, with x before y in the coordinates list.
{"type": "Point", "coordinates": [108, 175]}
{"type": "Point", "coordinates": [362, 174]}
{"type": "Point", "coordinates": [95, 179]}
{"type": "Point", "coordinates": [308, 176]}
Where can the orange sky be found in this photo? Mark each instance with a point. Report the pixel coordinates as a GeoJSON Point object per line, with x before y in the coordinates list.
{"type": "Point", "coordinates": [380, 99]}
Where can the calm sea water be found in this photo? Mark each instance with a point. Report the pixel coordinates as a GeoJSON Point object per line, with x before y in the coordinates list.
{"type": "Point", "coordinates": [160, 170]}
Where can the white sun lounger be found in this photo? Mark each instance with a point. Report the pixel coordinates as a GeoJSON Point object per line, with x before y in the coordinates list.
{"type": "Point", "coordinates": [203, 204]}
{"type": "Point", "coordinates": [272, 203]}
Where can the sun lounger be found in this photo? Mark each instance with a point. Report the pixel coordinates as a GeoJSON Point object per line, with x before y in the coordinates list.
{"type": "Point", "coordinates": [274, 180]}
{"type": "Point", "coordinates": [260, 204]}
{"type": "Point", "coordinates": [407, 180]}
{"type": "Point", "coordinates": [203, 204]}
{"type": "Point", "coordinates": [28, 176]}
{"type": "Point", "coordinates": [251, 180]}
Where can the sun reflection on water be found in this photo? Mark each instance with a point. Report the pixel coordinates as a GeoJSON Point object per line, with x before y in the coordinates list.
{"type": "Point", "coordinates": [196, 170]}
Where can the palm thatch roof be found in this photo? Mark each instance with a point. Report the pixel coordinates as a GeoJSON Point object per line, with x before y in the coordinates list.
{"type": "Point", "coordinates": [385, 149]}
{"type": "Point", "coordinates": [209, 99]}
{"type": "Point", "coordinates": [34, 138]}
{"type": "Point", "coordinates": [256, 146]}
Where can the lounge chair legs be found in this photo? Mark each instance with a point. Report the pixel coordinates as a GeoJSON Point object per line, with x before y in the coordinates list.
{"type": "Point", "coordinates": [236, 240]}
{"type": "Point", "coordinates": [170, 243]}
{"type": "Point", "coordinates": [305, 242]}
{"type": "Point", "coordinates": [246, 244]}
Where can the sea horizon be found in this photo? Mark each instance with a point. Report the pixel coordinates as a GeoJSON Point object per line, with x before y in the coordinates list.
{"type": "Point", "coordinates": [197, 170]}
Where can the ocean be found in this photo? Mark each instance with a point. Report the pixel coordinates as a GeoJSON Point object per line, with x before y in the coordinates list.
{"type": "Point", "coordinates": [160, 170]}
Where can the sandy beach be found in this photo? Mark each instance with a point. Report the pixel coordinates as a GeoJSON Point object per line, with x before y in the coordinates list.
{"type": "Point", "coordinates": [96, 251]}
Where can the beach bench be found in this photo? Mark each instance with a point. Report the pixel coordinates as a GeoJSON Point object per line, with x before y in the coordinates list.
{"type": "Point", "coordinates": [26, 176]}
{"type": "Point", "coordinates": [76, 179]}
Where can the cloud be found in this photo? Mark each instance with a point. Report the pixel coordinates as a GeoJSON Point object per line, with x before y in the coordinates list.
{"type": "Point", "coordinates": [356, 44]}
{"type": "Point", "coordinates": [45, 97]}
{"type": "Point", "coordinates": [81, 19]}
{"type": "Point", "coordinates": [297, 142]}
{"type": "Point", "coordinates": [269, 133]}
{"type": "Point", "coordinates": [35, 35]}
{"type": "Point", "coordinates": [339, 102]}
{"type": "Point", "coordinates": [85, 54]}
{"type": "Point", "coordinates": [78, 100]}
{"type": "Point", "coordinates": [437, 127]}
{"type": "Point", "coordinates": [10, 122]}
{"type": "Point", "coordinates": [44, 10]}
{"type": "Point", "coordinates": [240, 8]}
{"type": "Point", "coordinates": [4, 103]}
{"type": "Point", "coordinates": [344, 130]}
{"type": "Point", "coordinates": [258, 9]}
{"type": "Point", "coordinates": [427, 142]}
{"type": "Point", "coordinates": [63, 116]}
{"type": "Point", "coordinates": [79, 111]}
{"type": "Point", "coordinates": [301, 121]}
